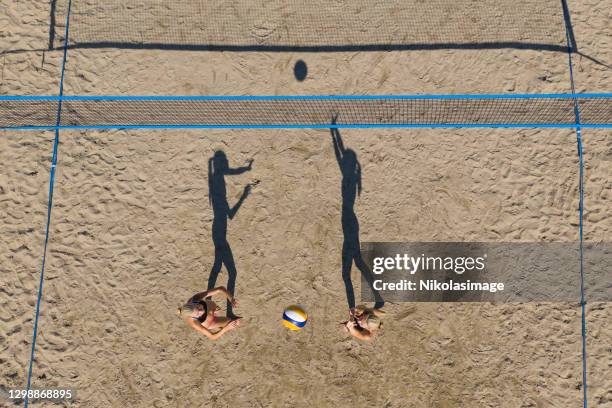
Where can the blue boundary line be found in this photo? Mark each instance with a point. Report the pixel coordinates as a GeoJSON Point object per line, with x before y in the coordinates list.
{"type": "Point", "coordinates": [49, 204]}
{"type": "Point", "coordinates": [581, 214]}
{"type": "Point", "coordinates": [294, 97]}
{"type": "Point", "coordinates": [327, 126]}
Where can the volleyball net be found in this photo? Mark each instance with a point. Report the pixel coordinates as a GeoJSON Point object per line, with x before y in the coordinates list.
{"type": "Point", "coordinates": [318, 26]}
{"type": "Point", "coordinates": [313, 25]}
{"type": "Point", "coordinates": [554, 110]}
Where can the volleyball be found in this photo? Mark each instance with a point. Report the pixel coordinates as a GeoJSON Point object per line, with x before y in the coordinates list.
{"type": "Point", "coordinates": [295, 318]}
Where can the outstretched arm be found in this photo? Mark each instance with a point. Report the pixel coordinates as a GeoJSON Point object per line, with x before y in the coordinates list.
{"type": "Point", "coordinates": [211, 292]}
{"type": "Point", "coordinates": [232, 211]}
{"type": "Point", "coordinates": [202, 295]}
{"type": "Point", "coordinates": [221, 290]}
{"type": "Point", "coordinates": [239, 170]}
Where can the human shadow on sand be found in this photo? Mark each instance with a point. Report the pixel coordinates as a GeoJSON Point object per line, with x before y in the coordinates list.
{"type": "Point", "coordinates": [351, 251]}
{"type": "Point", "coordinates": [218, 168]}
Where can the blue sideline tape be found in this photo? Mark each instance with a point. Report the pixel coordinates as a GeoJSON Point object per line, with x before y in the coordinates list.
{"type": "Point", "coordinates": [581, 214]}
{"type": "Point", "coordinates": [329, 126]}
{"type": "Point", "coordinates": [49, 207]}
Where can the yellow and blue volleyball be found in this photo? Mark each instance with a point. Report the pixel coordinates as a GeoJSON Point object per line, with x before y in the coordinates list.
{"type": "Point", "coordinates": [295, 318]}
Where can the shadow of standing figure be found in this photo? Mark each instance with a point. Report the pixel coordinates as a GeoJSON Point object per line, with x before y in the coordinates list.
{"type": "Point", "coordinates": [218, 168]}
{"type": "Point", "coordinates": [351, 251]}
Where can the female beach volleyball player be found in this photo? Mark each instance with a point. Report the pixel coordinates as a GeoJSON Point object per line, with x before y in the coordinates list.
{"type": "Point", "coordinates": [364, 323]}
{"type": "Point", "coordinates": [199, 313]}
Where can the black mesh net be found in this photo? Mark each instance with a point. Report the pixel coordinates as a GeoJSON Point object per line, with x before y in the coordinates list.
{"type": "Point", "coordinates": [315, 111]}
{"type": "Point", "coordinates": [316, 24]}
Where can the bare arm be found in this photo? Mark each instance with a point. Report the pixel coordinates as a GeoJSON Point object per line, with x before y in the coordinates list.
{"type": "Point", "coordinates": [201, 295]}
{"type": "Point", "coordinates": [209, 293]}
{"type": "Point", "coordinates": [224, 292]}
{"type": "Point", "coordinates": [199, 328]}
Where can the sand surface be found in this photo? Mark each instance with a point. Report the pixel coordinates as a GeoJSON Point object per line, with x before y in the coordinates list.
{"type": "Point", "coordinates": [131, 233]}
